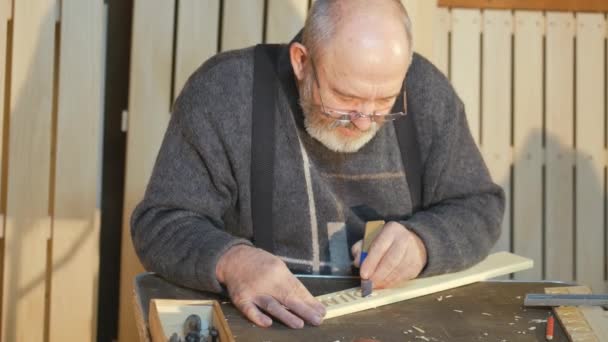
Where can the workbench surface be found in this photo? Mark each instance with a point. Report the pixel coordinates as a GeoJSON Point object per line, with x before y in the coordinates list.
{"type": "Point", "coordinates": [484, 311]}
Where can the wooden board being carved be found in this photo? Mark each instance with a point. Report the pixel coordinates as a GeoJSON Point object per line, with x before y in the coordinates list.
{"type": "Point", "coordinates": [349, 301]}
{"type": "Point", "coordinates": [582, 323]}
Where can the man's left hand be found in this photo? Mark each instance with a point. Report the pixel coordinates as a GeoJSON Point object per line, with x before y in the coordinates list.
{"type": "Point", "coordinates": [396, 254]}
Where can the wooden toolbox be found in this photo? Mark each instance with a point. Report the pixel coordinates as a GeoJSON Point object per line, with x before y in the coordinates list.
{"type": "Point", "coordinates": [167, 316]}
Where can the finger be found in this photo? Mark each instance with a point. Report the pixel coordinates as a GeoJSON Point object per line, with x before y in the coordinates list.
{"type": "Point", "coordinates": [399, 275]}
{"type": "Point", "coordinates": [272, 306]}
{"type": "Point", "coordinates": [307, 297]}
{"type": "Point", "coordinates": [391, 261]}
{"type": "Point", "coordinates": [251, 311]}
{"type": "Point", "coordinates": [355, 250]}
{"type": "Point", "coordinates": [377, 249]}
{"type": "Point", "coordinates": [304, 310]}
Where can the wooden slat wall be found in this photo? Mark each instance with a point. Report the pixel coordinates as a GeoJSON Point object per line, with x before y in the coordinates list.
{"type": "Point", "coordinates": [496, 101]}
{"type": "Point", "coordinates": [6, 9]}
{"type": "Point", "coordinates": [51, 62]}
{"type": "Point", "coordinates": [527, 139]}
{"type": "Point", "coordinates": [249, 14]}
{"type": "Point", "coordinates": [559, 146]}
{"type": "Point", "coordinates": [196, 37]}
{"type": "Point", "coordinates": [465, 70]}
{"type": "Point", "coordinates": [28, 223]}
{"type": "Point", "coordinates": [75, 239]}
{"type": "Point", "coordinates": [285, 19]}
{"type": "Point", "coordinates": [149, 108]}
{"type": "Point", "coordinates": [589, 142]}
{"type": "Point", "coordinates": [514, 70]}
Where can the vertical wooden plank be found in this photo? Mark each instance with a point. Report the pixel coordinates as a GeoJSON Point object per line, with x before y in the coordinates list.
{"type": "Point", "coordinates": [422, 14]}
{"type": "Point", "coordinates": [243, 23]}
{"type": "Point", "coordinates": [496, 105]}
{"type": "Point", "coordinates": [559, 139]}
{"type": "Point", "coordinates": [285, 19]}
{"type": "Point", "coordinates": [441, 53]}
{"type": "Point", "coordinates": [5, 16]}
{"type": "Point", "coordinates": [197, 35]}
{"type": "Point", "coordinates": [27, 218]}
{"type": "Point", "coordinates": [465, 63]}
{"type": "Point", "coordinates": [149, 101]}
{"type": "Point", "coordinates": [75, 252]}
{"type": "Point", "coordinates": [527, 141]}
{"type": "Point", "coordinates": [590, 63]}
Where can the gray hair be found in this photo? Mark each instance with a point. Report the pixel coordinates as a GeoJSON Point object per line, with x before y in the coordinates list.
{"type": "Point", "coordinates": [324, 17]}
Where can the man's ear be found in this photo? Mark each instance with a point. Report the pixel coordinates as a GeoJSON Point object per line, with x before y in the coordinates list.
{"type": "Point", "coordinates": [298, 56]}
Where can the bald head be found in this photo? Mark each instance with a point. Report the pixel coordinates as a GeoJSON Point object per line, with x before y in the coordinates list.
{"type": "Point", "coordinates": [329, 20]}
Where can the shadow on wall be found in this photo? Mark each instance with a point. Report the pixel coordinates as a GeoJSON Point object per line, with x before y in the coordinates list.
{"type": "Point", "coordinates": [557, 212]}
{"type": "Point", "coordinates": [30, 255]}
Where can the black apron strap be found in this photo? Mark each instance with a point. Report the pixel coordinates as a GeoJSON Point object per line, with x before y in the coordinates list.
{"type": "Point", "coordinates": [410, 152]}
{"type": "Point", "coordinates": [262, 144]}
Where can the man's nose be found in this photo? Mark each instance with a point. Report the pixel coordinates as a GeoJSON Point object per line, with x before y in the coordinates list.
{"type": "Point", "coordinates": [362, 123]}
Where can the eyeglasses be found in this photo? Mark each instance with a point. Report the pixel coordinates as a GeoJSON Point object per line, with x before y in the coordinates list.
{"type": "Point", "coordinates": [345, 117]}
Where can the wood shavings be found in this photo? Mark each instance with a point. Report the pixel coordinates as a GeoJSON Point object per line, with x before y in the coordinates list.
{"type": "Point", "coordinates": [459, 311]}
{"type": "Point", "coordinates": [440, 298]}
{"type": "Point", "coordinates": [418, 329]}
{"type": "Point", "coordinates": [486, 314]}
{"type": "Point", "coordinates": [448, 296]}
{"type": "Point", "coordinates": [538, 321]}
{"type": "Point", "coordinates": [532, 328]}
{"type": "Point", "coordinates": [422, 338]}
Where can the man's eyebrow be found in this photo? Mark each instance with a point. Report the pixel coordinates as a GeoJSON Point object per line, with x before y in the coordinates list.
{"type": "Point", "coordinates": [345, 94]}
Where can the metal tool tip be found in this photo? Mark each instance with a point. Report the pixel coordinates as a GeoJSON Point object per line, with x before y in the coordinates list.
{"type": "Point", "coordinates": [366, 287]}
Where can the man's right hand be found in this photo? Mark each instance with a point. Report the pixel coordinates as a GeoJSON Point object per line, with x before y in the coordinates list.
{"type": "Point", "coordinates": [259, 283]}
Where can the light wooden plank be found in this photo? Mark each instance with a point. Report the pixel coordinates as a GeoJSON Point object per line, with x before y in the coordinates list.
{"type": "Point", "coordinates": [197, 35]}
{"type": "Point", "coordinates": [243, 23]}
{"type": "Point", "coordinates": [527, 140]}
{"type": "Point", "coordinates": [6, 7]}
{"type": "Point", "coordinates": [349, 301]}
{"type": "Point", "coordinates": [285, 19]}
{"type": "Point", "coordinates": [465, 63]}
{"type": "Point", "coordinates": [75, 252]}
{"type": "Point", "coordinates": [496, 107]}
{"type": "Point", "coordinates": [441, 54]}
{"type": "Point", "coordinates": [548, 5]}
{"type": "Point", "coordinates": [27, 218]}
{"type": "Point", "coordinates": [590, 64]}
{"type": "Point", "coordinates": [149, 101]}
{"type": "Point", "coordinates": [422, 14]}
{"type": "Point", "coordinates": [559, 139]}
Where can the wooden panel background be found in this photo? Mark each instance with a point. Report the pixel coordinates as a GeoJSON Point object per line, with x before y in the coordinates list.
{"type": "Point", "coordinates": [51, 81]}
{"type": "Point", "coordinates": [533, 83]}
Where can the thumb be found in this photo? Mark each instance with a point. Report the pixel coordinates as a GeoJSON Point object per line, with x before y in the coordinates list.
{"type": "Point", "coordinates": [356, 252]}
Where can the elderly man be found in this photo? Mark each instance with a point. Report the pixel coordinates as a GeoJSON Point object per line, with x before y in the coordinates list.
{"type": "Point", "coordinates": [293, 148]}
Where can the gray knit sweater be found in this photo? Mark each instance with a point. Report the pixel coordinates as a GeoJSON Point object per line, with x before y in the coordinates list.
{"type": "Point", "coordinates": [198, 204]}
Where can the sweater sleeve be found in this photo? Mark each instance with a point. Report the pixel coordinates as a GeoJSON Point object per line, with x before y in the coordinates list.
{"type": "Point", "coordinates": [463, 209]}
{"type": "Point", "coordinates": [178, 229]}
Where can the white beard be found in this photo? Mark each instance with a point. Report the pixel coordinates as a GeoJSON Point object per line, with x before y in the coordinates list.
{"type": "Point", "coordinates": [332, 139]}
